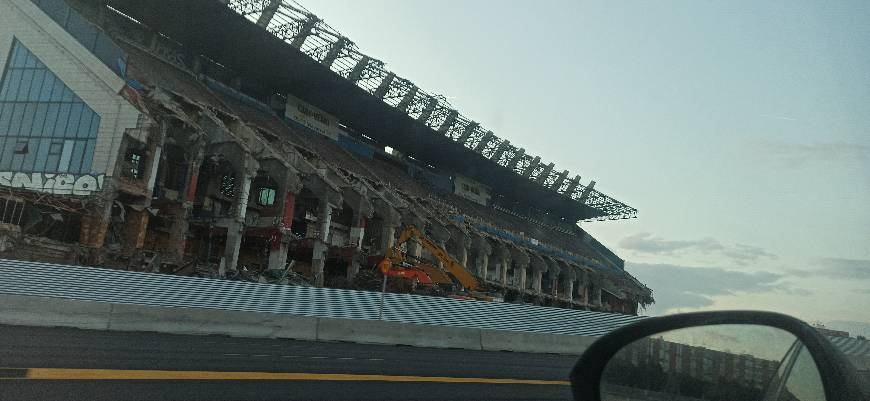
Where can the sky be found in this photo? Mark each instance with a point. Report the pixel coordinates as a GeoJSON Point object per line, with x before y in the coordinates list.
{"type": "Point", "coordinates": [740, 130]}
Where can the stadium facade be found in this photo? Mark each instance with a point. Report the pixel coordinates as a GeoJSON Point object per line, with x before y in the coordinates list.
{"type": "Point", "coordinates": [227, 139]}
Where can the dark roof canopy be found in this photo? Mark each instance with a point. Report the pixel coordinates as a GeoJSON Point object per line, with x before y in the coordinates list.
{"type": "Point", "coordinates": [266, 64]}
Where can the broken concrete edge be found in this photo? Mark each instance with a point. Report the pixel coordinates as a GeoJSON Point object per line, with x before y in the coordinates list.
{"type": "Point", "coordinates": [22, 310]}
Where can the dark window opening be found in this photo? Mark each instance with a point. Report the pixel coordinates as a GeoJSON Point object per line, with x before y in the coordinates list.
{"type": "Point", "coordinates": [21, 147]}
{"type": "Point", "coordinates": [134, 162]}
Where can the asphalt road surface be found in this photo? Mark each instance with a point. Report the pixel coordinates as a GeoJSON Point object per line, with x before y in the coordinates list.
{"type": "Point", "coordinates": [38, 363]}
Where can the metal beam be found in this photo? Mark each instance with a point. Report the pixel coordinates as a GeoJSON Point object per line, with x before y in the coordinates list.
{"type": "Point", "coordinates": [469, 129]}
{"type": "Point", "coordinates": [516, 159]}
{"type": "Point", "coordinates": [586, 192]}
{"type": "Point", "coordinates": [334, 51]}
{"type": "Point", "coordinates": [572, 185]}
{"type": "Point", "coordinates": [448, 122]}
{"type": "Point", "coordinates": [304, 31]}
{"type": "Point", "coordinates": [268, 13]}
{"type": "Point", "coordinates": [528, 172]}
{"type": "Point", "coordinates": [406, 100]}
{"type": "Point", "coordinates": [428, 110]}
{"type": "Point", "coordinates": [559, 180]}
{"type": "Point", "coordinates": [483, 141]}
{"type": "Point", "coordinates": [544, 174]}
{"type": "Point", "coordinates": [502, 147]}
{"type": "Point", "coordinates": [360, 67]}
{"type": "Point", "coordinates": [384, 87]}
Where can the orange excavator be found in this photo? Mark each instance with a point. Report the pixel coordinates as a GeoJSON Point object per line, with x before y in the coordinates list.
{"type": "Point", "coordinates": [454, 273]}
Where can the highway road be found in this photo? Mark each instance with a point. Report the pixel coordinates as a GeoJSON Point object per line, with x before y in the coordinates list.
{"type": "Point", "coordinates": [39, 363]}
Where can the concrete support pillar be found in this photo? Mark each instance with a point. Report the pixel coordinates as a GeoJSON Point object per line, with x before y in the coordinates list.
{"type": "Point", "coordinates": [460, 241]}
{"type": "Point", "coordinates": [539, 267]}
{"type": "Point", "coordinates": [520, 259]}
{"type": "Point", "coordinates": [536, 283]}
{"type": "Point", "coordinates": [504, 261]}
{"type": "Point", "coordinates": [482, 249]}
{"type": "Point", "coordinates": [569, 290]}
{"type": "Point", "coordinates": [278, 253]}
{"type": "Point", "coordinates": [357, 230]}
{"type": "Point", "coordinates": [388, 238]}
{"type": "Point", "coordinates": [321, 246]}
{"type": "Point", "coordinates": [236, 224]}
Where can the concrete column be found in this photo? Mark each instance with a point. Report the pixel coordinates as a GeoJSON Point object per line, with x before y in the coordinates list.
{"type": "Point", "coordinates": [388, 238]}
{"type": "Point", "coordinates": [236, 225]}
{"type": "Point", "coordinates": [278, 253]}
{"type": "Point", "coordinates": [481, 249]}
{"type": "Point", "coordinates": [180, 227]}
{"type": "Point", "coordinates": [539, 266]}
{"type": "Point", "coordinates": [521, 270]}
{"type": "Point", "coordinates": [321, 247]}
{"type": "Point", "coordinates": [569, 290]}
{"type": "Point", "coordinates": [235, 231]}
{"type": "Point", "coordinates": [504, 261]}
{"type": "Point", "coordinates": [357, 230]}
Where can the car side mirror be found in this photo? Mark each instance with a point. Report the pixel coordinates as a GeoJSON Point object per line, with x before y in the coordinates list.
{"type": "Point", "coordinates": [715, 356]}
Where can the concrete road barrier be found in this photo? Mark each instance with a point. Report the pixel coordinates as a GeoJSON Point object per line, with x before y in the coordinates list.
{"type": "Point", "coordinates": [500, 340]}
{"type": "Point", "coordinates": [378, 332]}
{"type": "Point", "coordinates": [45, 311]}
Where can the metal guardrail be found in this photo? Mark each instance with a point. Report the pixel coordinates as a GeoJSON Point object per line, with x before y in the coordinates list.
{"type": "Point", "coordinates": [123, 287]}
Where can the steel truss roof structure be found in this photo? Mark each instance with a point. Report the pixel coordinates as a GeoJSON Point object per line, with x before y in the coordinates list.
{"type": "Point", "coordinates": [293, 24]}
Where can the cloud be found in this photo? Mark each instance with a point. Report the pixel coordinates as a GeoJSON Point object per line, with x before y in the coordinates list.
{"type": "Point", "coordinates": [839, 269]}
{"type": "Point", "coordinates": [798, 154]}
{"type": "Point", "coordinates": [646, 243]}
{"type": "Point", "coordinates": [862, 291]}
{"type": "Point", "coordinates": [683, 287]}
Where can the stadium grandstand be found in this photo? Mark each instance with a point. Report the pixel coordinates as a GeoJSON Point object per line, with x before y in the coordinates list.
{"type": "Point", "coordinates": [249, 140]}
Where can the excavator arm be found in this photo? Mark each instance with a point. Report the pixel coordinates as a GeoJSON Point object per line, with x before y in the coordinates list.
{"type": "Point", "coordinates": [466, 279]}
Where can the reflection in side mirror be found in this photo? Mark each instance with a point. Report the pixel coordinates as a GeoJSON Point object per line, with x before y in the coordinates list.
{"type": "Point", "coordinates": [713, 363]}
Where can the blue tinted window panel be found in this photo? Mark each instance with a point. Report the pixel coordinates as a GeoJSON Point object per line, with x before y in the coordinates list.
{"type": "Point", "coordinates": [24, 87]}
{"type": "Point", "coordinates": [62, 120]}
{"type": "Point", "coordinates": [84, 128]}
{"type": "Point", "coordinates": [50, 119]}
{"type": "Point", "coordinates": [67, 95]}
{"type": "Point", "coordinates": [5, 117]}
{"type": "Point", "coordinates": [75, 162]}
{"type": "Point", "coordinates": [12, 82]}
{"type": "Point", "coordinates": [27, 119]}
{"type": "Point", "coordinates": [36, 86]}
{"type": "Point", "coordinates": [42, 154]}
{"type": "Point", "coordinates": [30, 61]}
{"type": "Point", "coordinates": [30, 156]}
{"type": "Point", "coordinates": [75, 115]}
{"type": "Point", "coordinates": [39, 119]}
{"type": "Point", "coordinates": [88, 158]}
{"type": "Point", "coordinates": [19, 56]}
{"type": "Point", "coordinates": [17, 114]}
{"type": "Point", "coordinates": [6, 154]}
{"type": "Point", "coordinates": [82, 30]}
{"type": "Point", "coordinates": [65, 156]}
{"type": "Point", "coordinates": [57, 90]}
{"type": "Point", "coordinates": [47, 86]}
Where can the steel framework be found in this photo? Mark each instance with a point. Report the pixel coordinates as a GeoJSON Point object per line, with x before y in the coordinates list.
{"type": "Point", "coordinates": [292, 23]}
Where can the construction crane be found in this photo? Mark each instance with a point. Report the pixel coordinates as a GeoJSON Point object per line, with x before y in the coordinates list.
{"type": "Point", "coordinates": [465, 278]}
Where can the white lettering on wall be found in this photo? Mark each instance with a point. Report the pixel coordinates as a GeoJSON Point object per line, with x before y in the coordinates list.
{"type": "Point", "coordinates": [58, 184]}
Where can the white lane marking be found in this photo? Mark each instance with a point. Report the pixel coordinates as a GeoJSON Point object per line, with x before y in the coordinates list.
{"type": "Point", "coordinates": [291, 356]}
{"type": "Point", "coordinates": [346, 358]}
{"type": "Point", "coordinates": [232, 354]}
{"type": "Point", "coordinates": [318, 357]}
{"type": "Point", "coordinates": [261, 355]}
{"type": "Point", "coordinates": [374, 359]}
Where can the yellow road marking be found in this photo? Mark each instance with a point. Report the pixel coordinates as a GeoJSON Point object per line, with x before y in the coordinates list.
{"type": "Point", "coordinates": [119, 374]}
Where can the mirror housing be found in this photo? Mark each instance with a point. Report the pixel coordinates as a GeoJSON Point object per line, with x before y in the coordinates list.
{"type": "Point", "coordinates": [839, 377]}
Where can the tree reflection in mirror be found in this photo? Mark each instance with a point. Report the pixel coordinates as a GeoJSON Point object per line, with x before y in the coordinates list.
{"type": "Point", "coordinates": [713, 363]}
